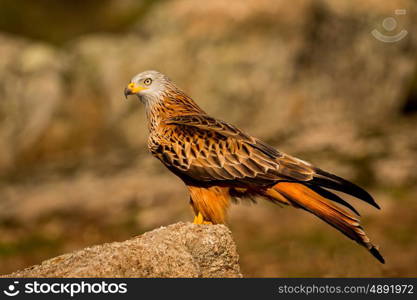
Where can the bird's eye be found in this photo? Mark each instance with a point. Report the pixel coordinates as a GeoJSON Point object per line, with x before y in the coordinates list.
{"type": "Point", "coordinates": [147, 81]}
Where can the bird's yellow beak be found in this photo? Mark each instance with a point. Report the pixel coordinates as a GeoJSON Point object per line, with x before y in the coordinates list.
{"type": "Point", "coordinates": [133, 89]}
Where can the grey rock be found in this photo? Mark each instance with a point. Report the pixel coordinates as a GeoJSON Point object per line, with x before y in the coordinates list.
{"type": "Point", "coordinates": [179, 250]}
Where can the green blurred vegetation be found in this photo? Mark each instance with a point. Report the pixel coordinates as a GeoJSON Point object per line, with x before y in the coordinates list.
{"type": "Point", "coordinates": [58, 22]}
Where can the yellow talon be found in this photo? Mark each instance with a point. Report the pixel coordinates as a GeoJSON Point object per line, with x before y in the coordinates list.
{"type": "Point", "coordinates": [199, 219]}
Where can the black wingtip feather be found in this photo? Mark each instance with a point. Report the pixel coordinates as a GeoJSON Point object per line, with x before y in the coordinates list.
{"type": "Point", "coordinates": [329, 195]}
{"type": "Point", "coordinates": [337, 183]}
{"type": "Point", "coordinates": [374, 251]}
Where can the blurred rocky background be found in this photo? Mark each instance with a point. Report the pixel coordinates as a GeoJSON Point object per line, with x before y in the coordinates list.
{"type": "Point", "coordinates": [307, 76]}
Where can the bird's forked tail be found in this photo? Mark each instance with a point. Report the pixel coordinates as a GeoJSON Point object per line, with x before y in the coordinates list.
{"type": "Point", "coordinates": [301, 196]}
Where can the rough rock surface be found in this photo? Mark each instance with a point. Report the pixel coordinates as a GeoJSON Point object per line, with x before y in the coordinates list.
{"type": "Point", "coordinates": [179, 250]}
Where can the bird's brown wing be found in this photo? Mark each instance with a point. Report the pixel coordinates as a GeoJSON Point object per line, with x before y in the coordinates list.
{"type": "Point", "coordinates": [206, 149]}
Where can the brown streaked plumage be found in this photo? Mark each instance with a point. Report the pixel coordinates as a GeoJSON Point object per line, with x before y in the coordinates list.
{"type": "Point", "coordinates": [219, 162]}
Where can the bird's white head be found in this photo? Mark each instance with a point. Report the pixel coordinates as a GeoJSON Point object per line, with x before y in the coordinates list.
{"type": "Point", "coordinates": [149, 86]}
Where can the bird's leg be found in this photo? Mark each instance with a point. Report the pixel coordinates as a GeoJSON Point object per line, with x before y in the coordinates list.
{"type": "Point", "coordinates": [199, 219]}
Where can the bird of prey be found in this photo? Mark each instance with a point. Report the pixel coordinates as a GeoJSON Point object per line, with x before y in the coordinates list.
{"type": "Point", "coordinates": [218, 163]}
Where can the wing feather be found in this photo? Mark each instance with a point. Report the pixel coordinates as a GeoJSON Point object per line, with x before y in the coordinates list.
{"type": "Point", "coordinates": [227, 153]}
{"type": "Point", "coordinates": [247, 160]}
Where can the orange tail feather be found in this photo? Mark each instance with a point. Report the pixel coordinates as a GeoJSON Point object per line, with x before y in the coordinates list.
{"type": "Point", "coordinates": [301, 196]}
